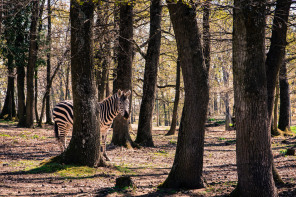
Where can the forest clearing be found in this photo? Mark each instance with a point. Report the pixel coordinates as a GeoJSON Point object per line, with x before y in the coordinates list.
{"type": "Point", "coordinates": [23, 150]}
{"type": "Point", "coordinates": [200, 95]}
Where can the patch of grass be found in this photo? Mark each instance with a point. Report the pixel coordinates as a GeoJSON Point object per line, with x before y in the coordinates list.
{"type": "Point", "coordinates": [123, 169]}
{"type": "Point", "coordinates": [221, 138]}
{"type": "Point", "coordinates": [173, 142]}
{"type": "Point", "coordinates": [11, 122]}
{"type": "Point", "coordinates": [283, 151]}
{"type": "Point", "coordinates": [4, 135]}
{"type": "Point", "coordinates": [230, 141]}
{"type": "Point", "coordinates": [27, 164]}
{"type": "Point", "coordinates": [66, 171]}
{"type": "Point", "coordinates": [293, 129]}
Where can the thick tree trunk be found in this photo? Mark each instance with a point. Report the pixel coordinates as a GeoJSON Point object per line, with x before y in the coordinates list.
{"type": "Point", "coordinates": [172, 130]}
{"type": "Point", "coordinates": [284, 117]}
{"type": "Point", "coordinates": [123, 72]}
{"type": "Point", "coordinates": [31, 66]}
{"type": "Point", "coordinates": [188, 164]}
{"type": "Point", "coordinates": [85, 142]}
{"type": "Point", "coordinates": [48, 62]}
{"type": "Point", "coordinates": [253, 150]}
{"type": "Point", "coordinates": [8, 111]}
{"type": "Point", "coordinates": [144, 135]}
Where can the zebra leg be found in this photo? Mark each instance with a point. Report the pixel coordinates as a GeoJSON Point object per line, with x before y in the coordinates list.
{"type": "Point", "coordinates": [103, 146]}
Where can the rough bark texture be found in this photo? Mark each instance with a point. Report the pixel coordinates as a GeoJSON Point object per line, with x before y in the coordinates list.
{"type": "Point", "coordinates": [123, 72]}
{"type": "Point", "coordinates": [85, 142]}
{"type": "Point", "coordinates": [284, 117]}
{"type": "Point", "coordinates": [253, 150]}
{"type": "Point", "coordinates": [144, 135]}
{"type": "Point", "coordinates": [48, 65]}
{"type": "Point", "coordinates": [8, 111]}
{"type": "Point", "coordinates": [172, 130]}
{"type": "Point", "coordinates": [31, 65]}
{"type": "Point", "coordinates": [188, 164]}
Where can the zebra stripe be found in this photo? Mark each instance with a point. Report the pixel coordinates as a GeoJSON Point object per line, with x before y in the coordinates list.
{"type": "Point", "coordinates": [109, 108]}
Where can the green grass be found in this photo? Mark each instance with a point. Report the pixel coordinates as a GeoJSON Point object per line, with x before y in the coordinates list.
{"type": "Point", "coordinates": [123, 169]}
{"type": "Point", "coordinates": [293, 129]}
{"type": "Point", "coordinates": [221, 138]}
{"type": "Point", "coordinates": [4, 135]}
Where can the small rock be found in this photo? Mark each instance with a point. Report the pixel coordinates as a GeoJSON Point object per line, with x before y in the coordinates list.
{"type": "Point", "coordinates": [81, 190]}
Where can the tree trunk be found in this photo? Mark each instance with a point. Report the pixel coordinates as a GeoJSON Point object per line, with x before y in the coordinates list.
{"type": "Point", "coordinates": [253, 150]}
{"type": "Point", "coordinates": [85, 142]}
{"type": "Point", "coordinates": [8, 111]}
{"type": "Point", "coordinates": [188, 164]}
{"type": "Point", "coordinates": [275, 57]}
{"type": "Point", "coordinates": [206, 33]}
{"type": "Point", "coordinates": [274, 130]}
{"type": "Point", "coordinates": [284, 117]}
{"type": "Point", "coordinates": [172, 130]}
{"type": "Point", "coordinates": [21, 95]}
{"type": "Point", "coordinates": [144, 135]}
{"type": "Point", "coordinates": [123, 78]}
{"type": "Point", "coordinates": [67, 95]}
{"type": "Point", "coordinates": [36, 95]}
{"type": "Point", "coordinates": [31, 65]}
{"type": "Point", "coordinates": [48, 62]}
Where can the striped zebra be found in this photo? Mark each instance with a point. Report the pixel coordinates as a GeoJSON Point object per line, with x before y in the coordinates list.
{"type": "Point", "coordinates": [109, 108]}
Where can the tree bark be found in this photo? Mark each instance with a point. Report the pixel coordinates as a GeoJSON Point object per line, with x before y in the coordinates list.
{"type": "Point", "coordinates": [274, 130]}
{"type": "Point", "coordinates": [31, 65]}
{"type": "Point", "coordinates": [188, 164]}
{"type": "Point", "coordinates": [172, 130]}
{"type": "Point", "coordinates": [85, 142]}
{"type": "Point", "coordinates": [253, 150]}
{"type": "Point", "coordinates": [206, 33]}
{"type": "Point", "coordinates": [284, 117]}
{"type": "Point", "coordinates": [8, 111]}
{"type": "Point", "coordinates": [48, 63]}
{"type": "Point", "coordinates": [144, 135]}
{"type": "Point", "coordinates": [123, 72]}
{"type": "Point", "coordinates": [21, 95]}
{"type": "Point", "coordinates": [275, 58]}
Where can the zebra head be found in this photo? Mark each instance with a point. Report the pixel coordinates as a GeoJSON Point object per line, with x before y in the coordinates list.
{"type": "Point", "coordinates": [123, 103]}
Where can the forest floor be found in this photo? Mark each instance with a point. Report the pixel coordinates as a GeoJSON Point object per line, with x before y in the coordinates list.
{"type": "Point", "coordinates": [22, 152]}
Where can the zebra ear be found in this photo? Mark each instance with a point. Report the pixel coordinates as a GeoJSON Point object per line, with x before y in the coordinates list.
{"type": "Point", "coordinates": [128, 93]}
{"type": "Point", "coordinates": [119, 93]}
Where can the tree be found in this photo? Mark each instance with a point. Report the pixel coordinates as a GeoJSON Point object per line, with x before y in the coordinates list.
{"type": "Point", "coordinates": [188, 164]}
{"type": "Point", "coordinates": [284, 117]}
{"type": "Point", "coordinates": [85, 142]}
{"type": "Point", "coordinates": [144, 135]}
{"type": "Point", "coordinates": [8, 111]}
{"type": "Point", "coordinates": [31, 65]}
{"type": "Point", "coordinates": [48, 62]}
{"type": "Point", "coordinates": [123, 72]}
{"type": "Point", "coordinates": [275, 58]}
{"type": "Point", "coordinates": [253, 149]}
{"type": "Point", "coordinates": [176, 101]}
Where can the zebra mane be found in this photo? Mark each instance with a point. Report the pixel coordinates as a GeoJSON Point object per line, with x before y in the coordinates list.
{"type": "Point", "coordinates": [108, 98]}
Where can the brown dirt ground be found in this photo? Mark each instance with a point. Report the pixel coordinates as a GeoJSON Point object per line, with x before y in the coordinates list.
{"type": "Point", "coordinates": [22, 150]}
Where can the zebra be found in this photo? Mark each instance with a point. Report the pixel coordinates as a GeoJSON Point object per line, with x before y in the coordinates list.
{"type": "Point", "coordinates": [109, 108]}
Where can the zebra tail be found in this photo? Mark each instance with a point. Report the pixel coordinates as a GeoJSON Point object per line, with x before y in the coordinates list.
{"type": "Point", "coordinates": [56, 131]}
